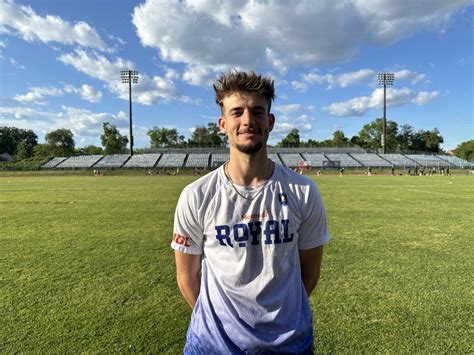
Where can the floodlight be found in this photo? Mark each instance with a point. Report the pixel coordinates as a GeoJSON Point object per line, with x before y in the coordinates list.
{"type": "Point", "coordinates": [129, 77]}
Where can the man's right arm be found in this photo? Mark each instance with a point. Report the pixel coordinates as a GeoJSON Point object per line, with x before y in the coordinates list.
{"type": "Point", "coordinates": [188, 267]}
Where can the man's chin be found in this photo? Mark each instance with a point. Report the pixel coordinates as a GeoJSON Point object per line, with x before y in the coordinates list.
{"type": "Point", "coordinates": [251, 148]}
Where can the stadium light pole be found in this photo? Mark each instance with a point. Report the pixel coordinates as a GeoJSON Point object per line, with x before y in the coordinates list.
{"type": "Point", "coordinates": [129, 77]}
{"type": "Point", "coordinates": [385, 79]}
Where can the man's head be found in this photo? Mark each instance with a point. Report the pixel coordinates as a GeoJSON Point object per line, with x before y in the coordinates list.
{"type": "Point", "coordinates": [245, 101]}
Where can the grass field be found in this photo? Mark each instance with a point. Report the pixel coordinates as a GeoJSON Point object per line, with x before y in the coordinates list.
{"type": "Point", "coordinates": [85, 265]}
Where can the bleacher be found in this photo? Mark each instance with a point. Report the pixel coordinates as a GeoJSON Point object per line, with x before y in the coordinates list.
{"type": "Point", "coordinates": [144, 161]}
{"type": "Point", "coordinates": [456, 162]}
{"type": "Point", "coordinates": [217, 159]}
{"type": "Point", "coordinates": [427, 160]}
{"type": "Point", "coordinates": [112, 161]}
{"type": "Point", "coordinates": [53, 163]}
{"type": "Point", "coordinates": [315, 159]}
{"type": "Point", "coordinates": [291, 160]}
{"type": "Point", "coordinates": [345, 160]}
{"type": "Point", "coordinates": [197, 160]}
{"type": "Point", "coordinates": [399, 160]}
{"type": "Point", "coordinates": [79, 162]}
{"type": "Point", "coordinates": [274, 157]}
{"type": "Point", "coordinates": [371, 159]}
{"type": "Point", "coordinates": [171, 160]}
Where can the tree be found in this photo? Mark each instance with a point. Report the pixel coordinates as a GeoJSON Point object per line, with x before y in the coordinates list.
{"type": "Point", "coordinates": [164, 137]}
{"type": "Point", "coordinates": [90, 150]}
{"type": "Point", "coordinates": [465, 150]}
{"type": "Point", "coordinates": [42, 151]}
{"type": "Point", "coordinates": [11, 137]}
{"type": "Point", "coordinates": [370, 136]}
{"type": "Point", "coordinates": [21, 151]}
{"type": "Point", "coordinates": [339, 139]}
{"type": "Point", "coordinates": [112, 141]}
{"type": "Point", "coordinates": [405, 137]}
{"type": "Point", "coordinates": [209, 136]}
{"type": "Point", "coordinates": [60, 142]}
{"type": "Point", "coordinates": [291, 140]}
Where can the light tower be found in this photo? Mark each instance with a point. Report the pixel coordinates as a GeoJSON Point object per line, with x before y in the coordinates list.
{"type": "Point", "coordinates": [385, 79]}
{"type": "Point", "coordinates": [129, 77]}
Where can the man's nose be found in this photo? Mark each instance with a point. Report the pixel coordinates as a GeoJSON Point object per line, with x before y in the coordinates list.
{"type": "Point", "coordinates": [246, 118]}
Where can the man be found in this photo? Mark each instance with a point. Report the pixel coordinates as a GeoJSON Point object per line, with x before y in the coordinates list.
{"type": "Point", "coordinates": [248, 237]}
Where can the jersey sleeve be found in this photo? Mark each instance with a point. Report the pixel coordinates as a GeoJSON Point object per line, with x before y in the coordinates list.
{"type": "Point", "coordinates": [313, 230]}
{"type": "Point", "coordinates": [187, 231]}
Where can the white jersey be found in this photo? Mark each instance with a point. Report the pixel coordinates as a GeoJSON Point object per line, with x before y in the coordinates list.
{"type": "Point", "coordinates": [252, 297]}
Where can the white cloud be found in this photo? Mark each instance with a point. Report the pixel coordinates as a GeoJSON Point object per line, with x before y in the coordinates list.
{"type": "Point", "coordinates": [409, 75]}
{"type": "Point", "coordinates": [149, 90]}
{"type": "Point", "coordinates": [23, 21]}
{"type": "Point", "coordinates": [425, 97]}
{"type": "Point", "coordinates": [354, 78]}
{"type": "Point", "coordinates": [37, 95]}
{"type": "Point", "coordinates": [279, 35]}
{"type": "Point", "coordinates": [286, 109]}
{"type": "Point", "coordinates": [14, 63]}
{"type": "Point", "coordinates": [358, 106]}
{"type": "Point", "coordinates": [87, 92]}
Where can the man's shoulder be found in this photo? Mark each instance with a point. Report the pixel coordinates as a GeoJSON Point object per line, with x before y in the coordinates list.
{"type": "Point", "coordinates": [292, 177]}
{"type": "Point", "coordinates": [205, 183]}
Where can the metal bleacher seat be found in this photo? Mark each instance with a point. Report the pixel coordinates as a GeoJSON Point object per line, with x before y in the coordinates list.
{"type": "Point", "coordinates": [371, 159]}
{"type": "Point", "coordinates": [197, 160]}
{"type": "Point", "coordinates": [217, 159]}
{"type": "Point", "coordinates": [315, 159]}
{"type": "Point", "coordinates": [291, 160]}
{"type": "Point", "coordinates": [399, 160]}
{"type": "Point", "coordinates": [171, 160]}
{"type": "Point", "coordinates": [456, 161]}
{"type": "Point", "coordinates": [79, 162]}
{"type": "Point", "coordinates": [144, 161]}
{"type": "Point", "coordinates": [53, 163]}
{"type": "Point", "coordinates": [427, 160]}
{"type": "Point", "coordinates": [274, 157]}
{"type": "Point", "coordinates": [112, 161]}
{"type": "Point", "coordinates": [345, 159]}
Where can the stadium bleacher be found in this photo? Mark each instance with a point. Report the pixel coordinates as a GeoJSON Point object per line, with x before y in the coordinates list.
{"type": "Point", "coordinates": [217, 159]}
{"type": "Point", "coordinates": [456, 162]}
{"type": "Point", "coordinates": [79, 162]}
{"type": "Point", "coordinates": [112, 161]}
{"type": "Point", "coordinates": [171, 160]}
{"type": "Point", "coordinates": [315, 159]}
{"type": "Point", "coordinates": [427, 160]}
{"type": "Point", "coordinates": [197, 160]}
{"type": "Point", "coordinates": [274, 157]}
{"type": "Point", "coordinates": [399, 160]}
{"type": "Point", "coordinates": [371, 160]}
{"type": "Point", "coordinates": [144, 161]}
{"type": "Point", "coordinates": [291, 160]}
{"type": "Point", "coordinates": [344, 159]}
{"type": "Point", "coordinates": [53, 163]}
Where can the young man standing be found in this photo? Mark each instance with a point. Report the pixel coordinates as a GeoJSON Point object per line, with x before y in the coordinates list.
{"type": "Point", "coordinates": [248, 237]}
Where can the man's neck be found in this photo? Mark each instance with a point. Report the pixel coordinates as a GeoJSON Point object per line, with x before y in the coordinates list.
{"type": "Point", "coordinates": [249, 169]}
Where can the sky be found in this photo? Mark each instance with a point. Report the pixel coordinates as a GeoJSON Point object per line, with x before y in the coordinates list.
{"type": "Point", "coordinates": [60, 64]}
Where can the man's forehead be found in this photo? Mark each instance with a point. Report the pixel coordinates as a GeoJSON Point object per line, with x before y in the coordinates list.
{"type": "Point", "coordinates": [243, 99]}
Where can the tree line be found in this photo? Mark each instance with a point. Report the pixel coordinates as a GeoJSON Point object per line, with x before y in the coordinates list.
{"type": "Point", "coordinates": [23, 143]}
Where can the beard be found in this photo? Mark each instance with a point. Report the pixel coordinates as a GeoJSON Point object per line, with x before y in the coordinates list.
{"type": "Point", "coordinates": [249, 148]}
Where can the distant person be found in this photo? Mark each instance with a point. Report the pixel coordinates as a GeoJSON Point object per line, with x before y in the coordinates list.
{"type": "Point", "coordinates": [248, 237]}
{"type": "Point", "coordinates": [393, 170]}
{"type": "Point", "coordinates": [369, 171]}
{"type": "Point", "coordinates": [409, 171]}
{"type": "Point", "coordinates": [341, 172]}
{"type": "Point", "coordinates": [447, 170]}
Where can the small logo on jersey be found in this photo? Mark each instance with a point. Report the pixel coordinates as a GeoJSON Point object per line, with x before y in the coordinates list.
{"type": "Point", "coordinates": [181, 240]}
{"type": "Point", "coordinates": [283, 199]}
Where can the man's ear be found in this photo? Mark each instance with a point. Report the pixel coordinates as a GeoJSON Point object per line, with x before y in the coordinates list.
{"type": "Point", "coordinates": [222, 124]}
{"type": "Point", "coordinates": [271, 121]}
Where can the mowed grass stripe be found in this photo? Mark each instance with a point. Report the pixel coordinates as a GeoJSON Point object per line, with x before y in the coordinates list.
{"type": "Point", "coordinates": [85, 265]}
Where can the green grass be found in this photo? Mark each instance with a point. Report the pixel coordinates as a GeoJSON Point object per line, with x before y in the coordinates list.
{"type": "Point", "coordinates": [85, 265]}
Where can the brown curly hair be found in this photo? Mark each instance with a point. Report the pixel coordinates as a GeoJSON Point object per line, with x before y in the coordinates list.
{"type": "Point", "coordinates": [242, 82]}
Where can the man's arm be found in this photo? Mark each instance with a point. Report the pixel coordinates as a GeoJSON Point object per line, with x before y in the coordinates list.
{"type": "Point", "coordinates": [310, 261]}
{"type": "Point", "coordinates": [188, 267]}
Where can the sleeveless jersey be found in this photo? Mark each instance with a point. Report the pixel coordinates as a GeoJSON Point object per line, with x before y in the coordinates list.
{"type": "Point", "coordinates": [252, 298]}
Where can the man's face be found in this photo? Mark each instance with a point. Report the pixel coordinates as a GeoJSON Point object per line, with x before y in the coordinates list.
{"type": "Point", "coordinates": [246, 121]}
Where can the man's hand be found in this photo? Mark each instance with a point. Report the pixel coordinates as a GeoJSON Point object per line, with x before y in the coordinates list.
{"type": "Point", "coordinates": [310, 261]}
{"type": "Point", "coordinates": [188, 267]}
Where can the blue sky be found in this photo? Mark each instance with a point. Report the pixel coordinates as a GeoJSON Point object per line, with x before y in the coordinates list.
{"type": "Point", "coordinates": [60, 63]}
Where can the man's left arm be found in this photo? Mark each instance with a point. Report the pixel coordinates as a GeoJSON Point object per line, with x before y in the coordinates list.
{"type": "Point", "coordinates": [310, 261]}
